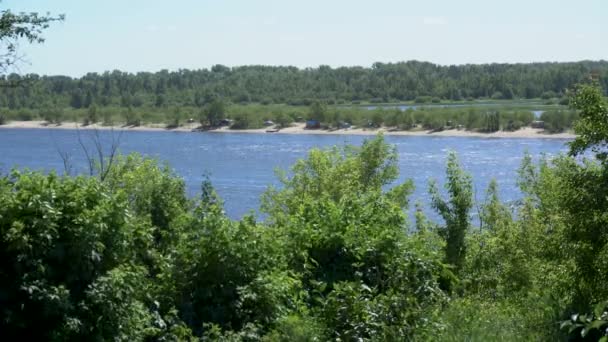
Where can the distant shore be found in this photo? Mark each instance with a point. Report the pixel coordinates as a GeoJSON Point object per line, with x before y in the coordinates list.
{"type": "Point", "coordinates": [298, 128]}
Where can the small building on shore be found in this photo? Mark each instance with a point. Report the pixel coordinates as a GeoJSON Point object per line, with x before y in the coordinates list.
{"type": "Point", "coordinates": [313, 124]}
{"type": "Point", "coordinates": [226, 122]}
{"type": "Point", "coordinates": [538, 124]}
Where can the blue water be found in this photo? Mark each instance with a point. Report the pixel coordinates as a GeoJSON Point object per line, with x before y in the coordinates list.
{"type": "Point", "coordinates": [241, 166]}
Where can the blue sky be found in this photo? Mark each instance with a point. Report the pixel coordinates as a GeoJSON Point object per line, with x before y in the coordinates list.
{"type": "Point", "coordinates": [137, 35]}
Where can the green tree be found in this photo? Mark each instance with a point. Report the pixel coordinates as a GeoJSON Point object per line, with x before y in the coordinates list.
{"type": "Point", "coordinates": [454, 210]}
{"type": "Point", "coordinates": [592, 126]}
{"type": "Point", "coordinates": [160, 100]}
{"type": "Point", "coordinates": [494, 215]}
{"type": "Point", "coordinates": [91, 117]}
{"type": "Point", "coordinates": [282, 120]}
{"type": "Point", "coordinates": [14, 27]}
{"type": "Point", "coordinates": [76, 100]}
{"type": "Point", "coordinates": [88, 100]}
{"type": "Point", "coordinates": [345, 235]}
{"type": "Point", "coordinates": [176, 116]}
{"type": "Point", "coordinates": [213, 113]}
{"type": "Point", "coordinates": [59, 238]}
{"type": "Point", "coordinates": [132, 118]}
{"type": "Point", "coordinates": [318, 111]}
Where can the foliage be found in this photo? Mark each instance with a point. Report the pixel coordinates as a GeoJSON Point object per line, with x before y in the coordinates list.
{"type": "Point", "coordinates": [557, 121]}
{"type": "Point", "coordinates": [318, 111]}
{"type": "Point", "coordinates": [282, 120]}
{"type": "Point", "coordinates": [213, 113]}
{"type": "Point", "coordinates": [345, 236]}
{"type": "Point", "coordinates": [592, 128]}
{"type": "Point", "coordinates": [572, 197]}
{"type": "Point", "coordinates": [474, 319]}
{"type": "Point", "coordinates": [59, 238]}
{"type": "Point", "coordinates": [494, 215]}
{"type": "Point", "coordinates": [419, 82]}
{"type": "Point", "coordinates": [129, 256]}
{"type": "Point", "coordinates": [15, 27]}
{"type": "Point", "coordinates": [132, 118]}
{"type": "Point", "coordinates": [590, 327]}
{"type": "Point", "coordinates": [91, 117]}
{"type": "Point", "coordinates": [455, 210]}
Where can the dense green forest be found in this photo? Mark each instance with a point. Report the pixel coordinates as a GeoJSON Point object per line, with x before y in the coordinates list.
{"type": "Point", "coordinates": [126, 255]}
{"type": "Point", "coordinates": [251, 95]}
{"type": "Point", "coordinates": [383, 82]}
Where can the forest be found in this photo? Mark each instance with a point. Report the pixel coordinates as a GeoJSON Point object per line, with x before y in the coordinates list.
{"type": "Point", "coordinates": [488, 98]}
{"type": "Point", "coordinates": [125, 254]}
{"type": "Point", "coordinates": [413, 81]}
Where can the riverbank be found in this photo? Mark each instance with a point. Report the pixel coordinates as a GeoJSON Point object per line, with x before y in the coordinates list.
{"type": "Point", "coordinates": [526, 132]}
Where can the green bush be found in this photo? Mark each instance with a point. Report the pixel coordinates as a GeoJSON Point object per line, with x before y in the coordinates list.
{"type": "Point", "coordinates": [61, 237]}
{"type": "Point", "coordinates": [128, 256]}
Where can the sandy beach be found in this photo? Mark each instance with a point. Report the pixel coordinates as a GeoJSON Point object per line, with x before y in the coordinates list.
{"type": "Point", "coordinates": [297, 128]}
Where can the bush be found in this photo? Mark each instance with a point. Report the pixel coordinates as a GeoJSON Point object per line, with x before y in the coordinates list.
{"type": "Point", "coordinates": [557, 121]}
{"type": "Point", "coordinates": [25, 115]}
{"type": "Point", "coordinates": [107, 118]}
{"type": "Point", "coordinates": [91, 116]}
{"type": "Point", "coordinates": [61, 237]}
{"type": "Point", "coordinates": [246, 121]}
{"type": "Point", "coordinates": [282, 120]}
{"type": "Point", "coordinates": [471, 319]}
{"type": "Point", "coordinates": [422, 99]}
{"type": "Point", "coordinates": [589, 327]}
{"type": "Point", "coordinates": [497, 96]}
{"type": "Point", "coordinates": [132, 118]}
{"type": "Point", "coordinates": [52, 115]}
{"type": "Point", "coordinates": [548, 95]}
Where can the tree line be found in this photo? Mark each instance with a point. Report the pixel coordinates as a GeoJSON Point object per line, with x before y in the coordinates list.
{"type": "Point", "coordinates": [505, 117]}
{"type": "Point", "coordinates": [124, 254]}
{"type": "Point", "coordinates": [415, 81]}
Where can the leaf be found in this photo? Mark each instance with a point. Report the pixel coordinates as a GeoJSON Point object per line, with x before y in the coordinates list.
{"type": "Point", "coordinates": [565, 324]}
{"type": "Point", "coordinates": [597, 324]}
{"type": "Point", "coordinates": [574, 327]}
{"type": "Point", "coordinates": [599, 308]}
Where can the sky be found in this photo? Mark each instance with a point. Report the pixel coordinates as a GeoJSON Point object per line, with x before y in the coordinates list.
{"type": "Point", "coordinates": [137, 35]}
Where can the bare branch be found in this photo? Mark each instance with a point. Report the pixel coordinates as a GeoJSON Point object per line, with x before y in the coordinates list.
{"type": "Point", "coordinates": [102, 162]}
{"type": "Point", "coordinates": [86, 153]}
{"type": "Point", "coordinates": [65, 158]}
{"type": "Point", "coordinates": [113, 151]}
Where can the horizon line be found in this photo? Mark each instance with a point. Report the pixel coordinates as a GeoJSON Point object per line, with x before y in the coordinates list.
{"type": "Point", "coordinates": [173, 70]}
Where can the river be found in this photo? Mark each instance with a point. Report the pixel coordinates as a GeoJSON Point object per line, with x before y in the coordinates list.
{"type": "Point", "coordinates": [241, 166]}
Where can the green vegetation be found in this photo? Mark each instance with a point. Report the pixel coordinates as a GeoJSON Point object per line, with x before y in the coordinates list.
{"type": "Point", "coordinates": [125, 255]}
{"type": "Point", "coordinates": [494, 97]}
{"type": "Point", "coordinates": [15, 28]}
{"type": "Point", "coordinates": [412, 81]}
{"type": "Point", "coordinates": [506, 116]}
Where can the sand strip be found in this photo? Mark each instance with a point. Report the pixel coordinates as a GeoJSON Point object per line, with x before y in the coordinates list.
{"type": "Point", "coordinates": [299, 128]}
